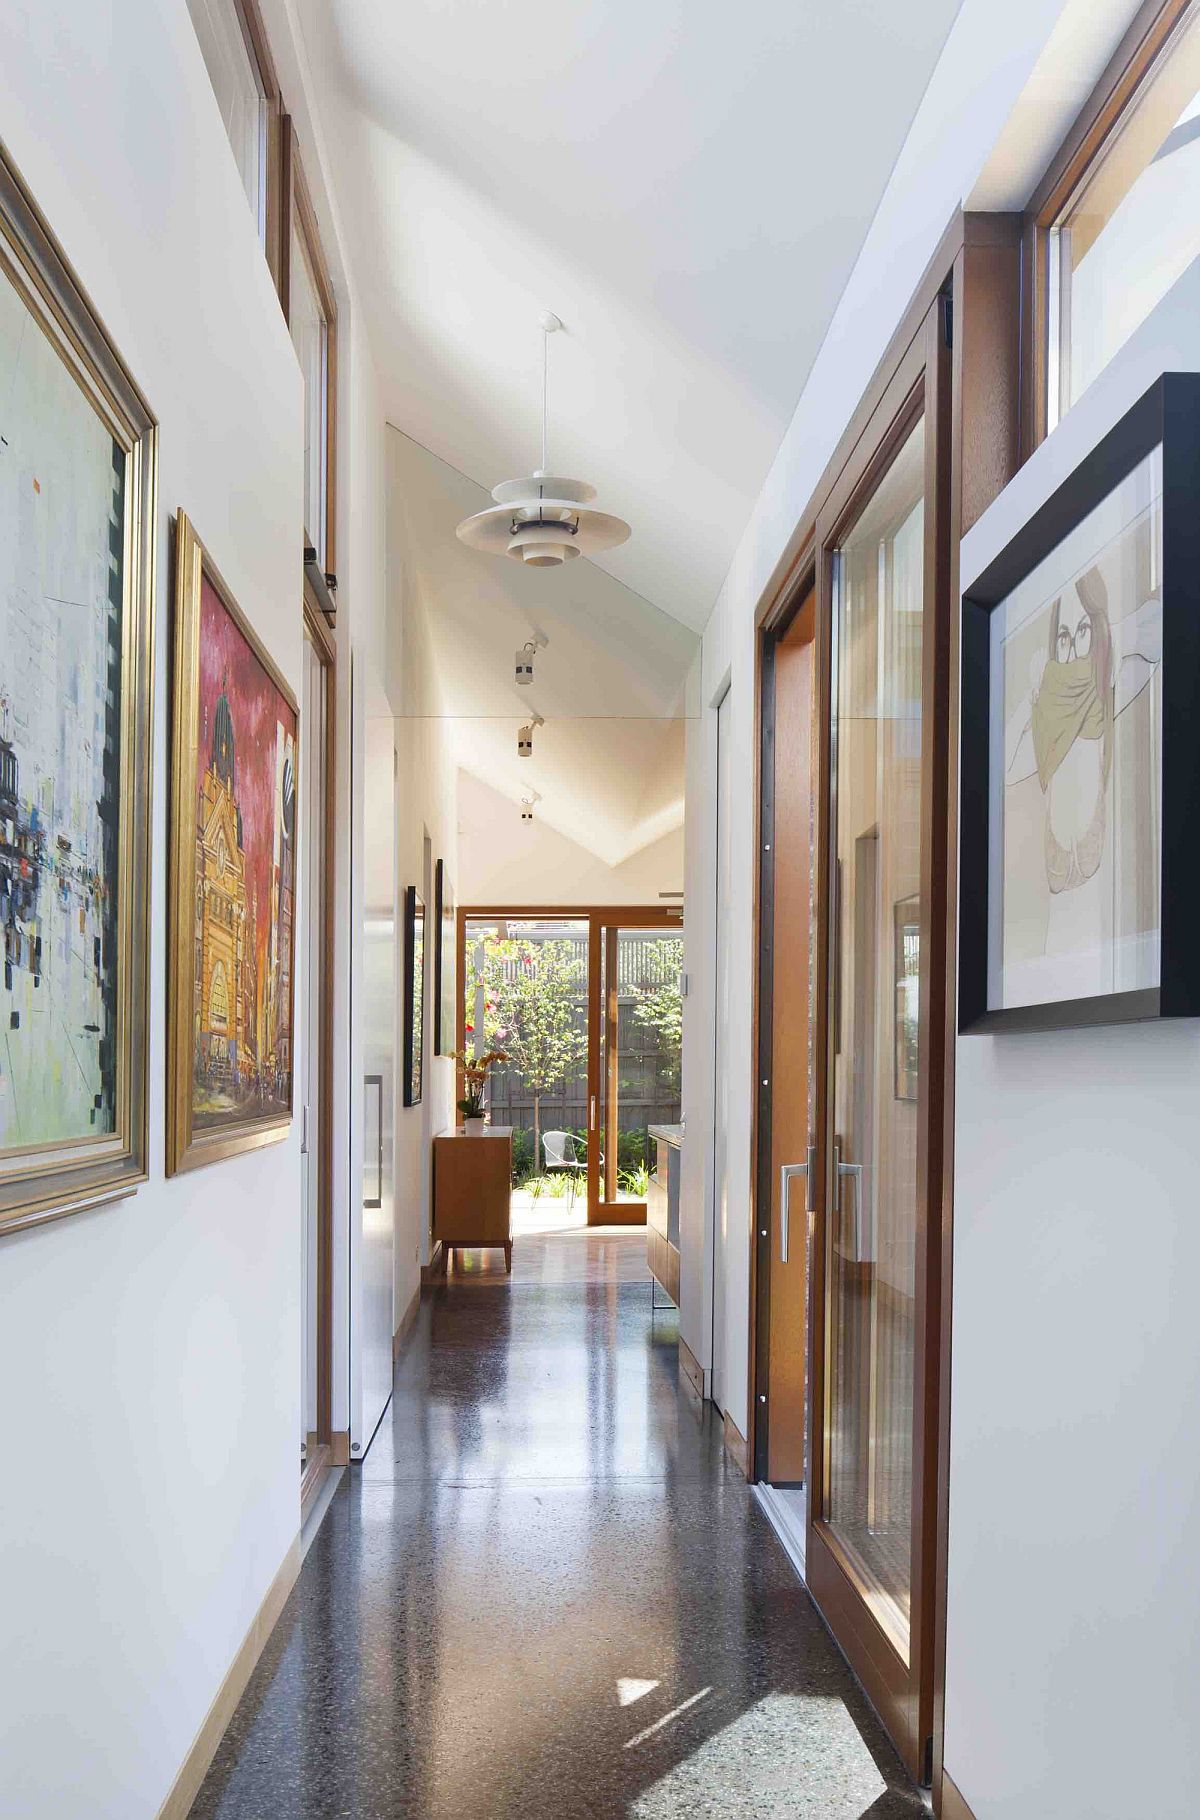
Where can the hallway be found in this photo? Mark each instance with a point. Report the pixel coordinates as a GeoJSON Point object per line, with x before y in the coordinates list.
{"type": "Point", "coordinates": [545, 1593]}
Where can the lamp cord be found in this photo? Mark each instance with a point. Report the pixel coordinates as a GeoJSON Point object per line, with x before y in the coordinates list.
{"type": "Point", "coordinates": [545, 387]}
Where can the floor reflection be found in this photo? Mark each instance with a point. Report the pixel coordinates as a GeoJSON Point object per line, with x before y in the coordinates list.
{"type": "Point", "coordinates": [546, 1593]}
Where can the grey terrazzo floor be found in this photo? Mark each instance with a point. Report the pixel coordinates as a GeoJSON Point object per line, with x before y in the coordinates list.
{"type": "Point", "coordinates": [544, 1594]}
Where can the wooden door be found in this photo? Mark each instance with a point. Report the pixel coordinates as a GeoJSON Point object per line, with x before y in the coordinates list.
{"type": "Point", "coordinates": [881, 969]}
{"type": "Point", "coordinates": [788, 683]}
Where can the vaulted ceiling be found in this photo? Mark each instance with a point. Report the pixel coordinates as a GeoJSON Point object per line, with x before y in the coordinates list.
{"type": "Point", "coordinates": [686, 184]}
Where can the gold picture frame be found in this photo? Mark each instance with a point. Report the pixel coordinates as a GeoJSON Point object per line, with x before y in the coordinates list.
{"type": "Point", "coordinates": [98, 891]}
{"type": "Point", "coordinates": [230, 1072]}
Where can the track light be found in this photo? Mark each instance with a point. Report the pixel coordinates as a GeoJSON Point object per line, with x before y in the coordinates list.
{"type": "Point", "coordinates": [527, 803]}
{"type": "Point", "coordinates": [525, 737]}
{"type": "Point", "coordinates": [526, 655]}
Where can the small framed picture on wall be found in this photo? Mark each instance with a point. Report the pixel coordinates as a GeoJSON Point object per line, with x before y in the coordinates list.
{"type": "Point", "coordinates": [1080, 803]}
{"type": "Point", "coordinates": [414, 995]}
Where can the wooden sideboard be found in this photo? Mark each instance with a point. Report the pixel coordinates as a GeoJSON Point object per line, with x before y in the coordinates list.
{"type": "Point", "coordinates": [472, 1190]}
{"type": "Point", "coordinates": [662, 1208]}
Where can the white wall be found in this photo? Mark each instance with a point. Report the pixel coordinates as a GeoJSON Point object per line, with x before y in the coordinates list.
{"type": "Point", "coordinates": [979, 79]}
{"type": "Point", "coordinates": [157, 1343]}
{"type": "Point", "coordinates": [503, 860]}
{"type": "Point", "coordinates": [986, 62]}
{"type": "Point", "coordinates": [1073, 1601]}
{"type": "Point", "coordinates": [426, 809]}
{"type": "Point", "coordinates": [1074, 1604]}
{"type": "Point", "coordinates": [150, 1350]}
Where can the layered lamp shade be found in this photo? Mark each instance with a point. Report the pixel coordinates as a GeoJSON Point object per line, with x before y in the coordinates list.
{"type": "Point", "coordinates": [543, 520]}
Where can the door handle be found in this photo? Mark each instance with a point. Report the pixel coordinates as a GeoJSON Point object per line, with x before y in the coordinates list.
{"type": "Point", "coordinates": [592, 1114]}
{"type": "Point", "coordinates": [853, 1170]}
{"type": "Point", "coordinates": [786, 1172]}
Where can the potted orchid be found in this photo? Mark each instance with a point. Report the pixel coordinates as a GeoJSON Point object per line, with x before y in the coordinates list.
{"type": "Point", "coordinates": [473, 1104]}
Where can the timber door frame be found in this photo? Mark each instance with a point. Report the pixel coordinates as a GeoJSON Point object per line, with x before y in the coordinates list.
{"type": "Point", "coordinates": [901, 1691]}
{"type": "Point", "coordinates": [603, 922]}
{"type": "Point", "coordinates": [780, 621]}
{"type": "Point", "coordinates": [979, 261]}
{"type": "Point", "coordinates": [321, 1454]}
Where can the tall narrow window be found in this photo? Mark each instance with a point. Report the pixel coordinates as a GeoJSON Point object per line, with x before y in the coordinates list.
{"type": "Point", "coordinates": [312, 319]}
{"type": "Point", "coordinates": [1129, 227]}
{"type": "Point", "coordinates": [231, 45]}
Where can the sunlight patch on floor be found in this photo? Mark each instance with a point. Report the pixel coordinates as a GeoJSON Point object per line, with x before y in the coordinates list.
{"type": "Point", "coordinates": [792, 1756]}
{"type": "Point", "coordinates": [629, 1689]}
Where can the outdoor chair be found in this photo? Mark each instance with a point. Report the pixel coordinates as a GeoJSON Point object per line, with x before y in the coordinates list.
{"type": "Point", "coordinates": [561, 1153]}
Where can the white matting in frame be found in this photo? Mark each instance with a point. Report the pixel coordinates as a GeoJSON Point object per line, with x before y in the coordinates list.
{"type": "Point", "coordinates": [1075, 762]}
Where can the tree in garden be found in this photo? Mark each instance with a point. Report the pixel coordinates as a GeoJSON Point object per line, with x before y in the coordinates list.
{"type": "Point", "coordinates": [658, 1007]}
{"type": "Point", "coordinates": [535, 997]}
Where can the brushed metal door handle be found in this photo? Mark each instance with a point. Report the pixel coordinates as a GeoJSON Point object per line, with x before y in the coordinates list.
{"type": "Point", "coordinates": [786, 1173]}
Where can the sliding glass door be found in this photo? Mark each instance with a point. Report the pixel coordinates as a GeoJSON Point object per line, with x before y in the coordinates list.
{"type": "Point", "coordinates": [587, 1007]}
{"type": "Point", "coordinates": [639, 1031]}
{"type": "Point", "coordinates": [871, 1520]}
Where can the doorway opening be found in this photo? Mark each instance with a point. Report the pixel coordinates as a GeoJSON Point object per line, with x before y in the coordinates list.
{"type": "Point", "coordinates": [586, 1007]}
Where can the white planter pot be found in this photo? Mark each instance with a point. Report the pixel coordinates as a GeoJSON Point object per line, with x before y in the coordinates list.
{"type": "Point", "coordinates": [475, 1127]}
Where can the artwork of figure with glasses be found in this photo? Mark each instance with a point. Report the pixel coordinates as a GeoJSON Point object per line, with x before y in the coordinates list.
{"type": "Point", "coordinates": [1081, 785]}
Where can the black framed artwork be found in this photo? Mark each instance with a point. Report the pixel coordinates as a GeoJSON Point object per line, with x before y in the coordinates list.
{"type": "Point", "coordinates": [414, 995]}
{"type": "Point", "coordinates": [443, 990]}
{"type": "Point", "coordinates": [1080, 795]}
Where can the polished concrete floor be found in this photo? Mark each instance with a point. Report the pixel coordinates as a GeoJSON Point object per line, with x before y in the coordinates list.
{"type": "Point", "coordinates": [545, 1594]}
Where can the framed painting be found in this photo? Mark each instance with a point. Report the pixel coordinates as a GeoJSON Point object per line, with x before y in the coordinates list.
{"type": "Point", "coordinates": [77, 503]}
{"type": "Point", "coordinates": [233, 876]}
{"type": "Point", "coordinates": [444, 1006]}
{"type": "Point", "coordinates": [414, 995]}
{"type": "Point", "coordinates": [1080, 765]}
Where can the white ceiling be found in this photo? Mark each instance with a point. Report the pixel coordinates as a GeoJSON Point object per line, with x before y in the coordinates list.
{"type": "Point", "coordinates": [687, 184]}
{"type": "Point", "coordinates": [609, 682]}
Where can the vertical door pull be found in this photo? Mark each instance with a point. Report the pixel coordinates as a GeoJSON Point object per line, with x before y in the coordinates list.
{"type": "Point", "coordinates": [786, 1172]}
{"type": "Point", "coordinates": [854, 1170]}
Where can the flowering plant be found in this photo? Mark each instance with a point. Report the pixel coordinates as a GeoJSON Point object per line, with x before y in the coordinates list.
{"type": "Point", "coordinates": [475, 1072]}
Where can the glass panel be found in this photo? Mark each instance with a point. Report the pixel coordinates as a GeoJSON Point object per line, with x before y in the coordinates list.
{"type": "Point", "coordinates": [1134, 229]}
{"type": "Point", "coordinates": [643, 1088]}
{"type": "Point", "coordinates": [310, 338]}
{"type": "Point", "coordinates": [234, 76]}
{"type": "Point", "coordinates": [879, 605]}
{"type": "Point", "coordinates": [526, 993]}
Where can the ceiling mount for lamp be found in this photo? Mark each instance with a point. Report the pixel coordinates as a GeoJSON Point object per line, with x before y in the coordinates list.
{"type": "Point", "coordinates": [543, 520]}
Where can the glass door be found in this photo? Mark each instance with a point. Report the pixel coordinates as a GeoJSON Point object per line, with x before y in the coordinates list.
{"type": "Point", "coordinates": [525, 993]}
{"type": "Point", "coordinates": [639, 1029]}
{"type": "Point", "coordinates": [872, 1513]}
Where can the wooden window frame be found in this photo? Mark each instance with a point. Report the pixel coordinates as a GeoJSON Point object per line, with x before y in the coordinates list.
{"type": "Point", "coordinates": [1135, 61]}
{"type": "Point", "coordinates": [254, 36]}
{"type": "Point", "coordinates": [297, 199]}
{"type": "Point", "coordinates": [978, 265]}
{"type": "Point", "coordinates": [321, 1456]}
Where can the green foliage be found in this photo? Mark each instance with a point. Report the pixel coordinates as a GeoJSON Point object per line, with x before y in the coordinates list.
{"type": "Point", "coordinates": [535, 996]}
{"type": "Point", "coordinates": [660, 1009]}
{"type": "Point", "coordinates": [635, 1181]}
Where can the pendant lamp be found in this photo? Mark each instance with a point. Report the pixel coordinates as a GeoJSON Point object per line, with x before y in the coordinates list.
{"type": "Point", "coordinates": [543, 520]}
